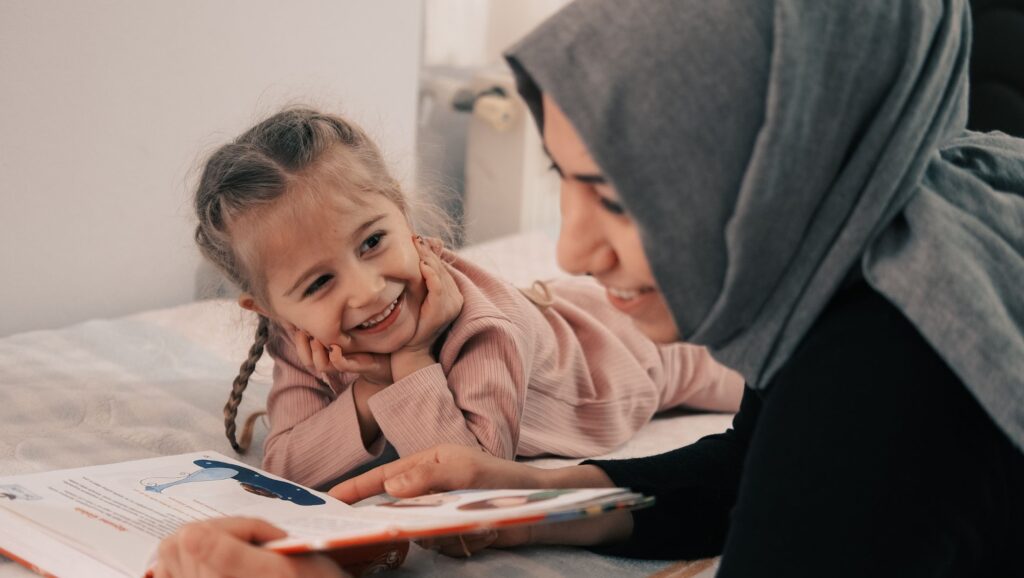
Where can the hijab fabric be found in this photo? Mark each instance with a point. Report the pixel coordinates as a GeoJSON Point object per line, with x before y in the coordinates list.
{"type": "Point", "coordinates": [768, 151]}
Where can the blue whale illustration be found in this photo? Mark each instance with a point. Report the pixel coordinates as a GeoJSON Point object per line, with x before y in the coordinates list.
{"type": "Point", "coordinates": [212, 470]}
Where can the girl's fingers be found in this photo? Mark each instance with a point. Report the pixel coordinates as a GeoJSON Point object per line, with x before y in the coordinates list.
{"type": "Point", "coordinates": [301, 342]}
{"type": "Point", "coordinates": [321, 361]}
{"type": "Point", "coordinates": [427, 255]}
{"type": "Point", "coordinates": [338, 361]}
{"type": "Point", "coordinates": [376, 368]}
{"type": "Point", "coordinates": [351, 364]}
{"type": "Point", "coordinates": [430, 278]}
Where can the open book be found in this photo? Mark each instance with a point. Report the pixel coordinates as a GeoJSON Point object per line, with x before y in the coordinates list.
{"type": "Point", "coordinates": [108, 520]}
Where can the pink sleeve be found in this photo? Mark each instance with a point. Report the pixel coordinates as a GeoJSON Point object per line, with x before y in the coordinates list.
{"type": "Point", "coordinates": [704, 382]}
{"type": "Point", "coordinates": [479, 403]}
{"type": "Point", "coordinates": [314, 432]}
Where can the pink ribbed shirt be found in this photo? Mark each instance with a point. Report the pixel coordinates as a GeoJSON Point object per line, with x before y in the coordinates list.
{"type": "Point", "coordinates": [574, 379]}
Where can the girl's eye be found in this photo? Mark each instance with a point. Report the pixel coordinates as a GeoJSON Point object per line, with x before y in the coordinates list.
{"type": "Point", "coordinates": [371, 242]}
{"type": "Point", "coordinates": [316, 285]}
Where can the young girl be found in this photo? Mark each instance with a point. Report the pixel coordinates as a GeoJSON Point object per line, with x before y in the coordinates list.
{"type": "Point", "coordinates": [378, 335]}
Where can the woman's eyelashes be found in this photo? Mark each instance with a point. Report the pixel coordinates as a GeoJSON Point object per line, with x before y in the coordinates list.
{"type": "Point", "coordinates": [596, 182]}
{"type": "Point", "coordinates": [611, 206]}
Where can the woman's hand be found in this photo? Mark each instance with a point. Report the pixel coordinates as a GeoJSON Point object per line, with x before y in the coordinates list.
{"type": "Point", "coordinates": [452, 467]}
{"type": "Point", "coordinates": [441, 306]}
{"type": "Point", "coordinates": [447, 467]}
{"type": "Point", "coordinates": [224, 547]}
{"type": "Point", "coordinates": [321, 360]}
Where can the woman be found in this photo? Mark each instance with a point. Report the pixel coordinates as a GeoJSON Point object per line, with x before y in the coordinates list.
{"type": "Point", "coordinates": [792, 186]}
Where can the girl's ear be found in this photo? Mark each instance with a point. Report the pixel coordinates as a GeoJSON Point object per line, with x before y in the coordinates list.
{"type": "Point", "coordinates": [246, 301]}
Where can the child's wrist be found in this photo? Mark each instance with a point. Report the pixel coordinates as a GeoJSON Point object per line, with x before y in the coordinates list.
{"type": "Point", "coordinates": [406, 362]}
{"type": "Point", "coordinates": [362, 390]}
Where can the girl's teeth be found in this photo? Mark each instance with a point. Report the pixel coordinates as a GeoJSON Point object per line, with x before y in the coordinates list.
{"type": "Point", "coordinates": [383, 315]}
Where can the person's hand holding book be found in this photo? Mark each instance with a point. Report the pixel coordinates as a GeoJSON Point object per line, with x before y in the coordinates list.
{"type": "Point", "coordinates": [225, 547]}
{"type": "Point", "coordinates": [453, 467]}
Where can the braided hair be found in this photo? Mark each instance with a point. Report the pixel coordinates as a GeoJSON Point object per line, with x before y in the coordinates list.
{"type": "Point", "coordinates": [254, 171]}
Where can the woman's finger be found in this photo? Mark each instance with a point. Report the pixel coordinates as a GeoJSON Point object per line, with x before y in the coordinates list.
{"type": "Point", "coordinates": [462, 545]}
{"type": "Point", "coordinates": [224, 547]}
{"type": "Point", "coordinates": [372, 482]}
{"type": "Point", "coordinates": [428, 477]}
{"type": "Point", "coordinates": [442, 468]}
{"type": "Point", "coordinates": [167, 565]}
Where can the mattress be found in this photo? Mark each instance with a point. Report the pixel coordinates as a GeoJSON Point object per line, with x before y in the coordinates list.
{"type": "Point", "coordinates": [154, 383]}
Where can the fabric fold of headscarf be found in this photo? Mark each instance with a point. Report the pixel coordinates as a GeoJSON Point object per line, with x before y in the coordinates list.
{"type": "Point", "coordinates": [768, 150]}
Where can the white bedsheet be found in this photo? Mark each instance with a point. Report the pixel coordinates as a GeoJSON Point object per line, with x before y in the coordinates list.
{"type": "Point", "coordinates": [154, 384]}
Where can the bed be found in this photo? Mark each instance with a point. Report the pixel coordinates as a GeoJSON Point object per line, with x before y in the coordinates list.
{"type": "Point", "coordinates": [153, 384]}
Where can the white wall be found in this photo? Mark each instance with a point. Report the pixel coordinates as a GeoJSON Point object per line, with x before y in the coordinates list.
{"type": "Point", "coordinates": [106, 108]}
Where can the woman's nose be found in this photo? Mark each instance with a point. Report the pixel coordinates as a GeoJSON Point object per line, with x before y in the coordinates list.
{"type": "Point", "coordinates": [583, 246]}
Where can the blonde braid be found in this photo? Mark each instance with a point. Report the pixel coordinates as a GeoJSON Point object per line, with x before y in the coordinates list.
{"type": "Point", "coordinates": [238, 388]}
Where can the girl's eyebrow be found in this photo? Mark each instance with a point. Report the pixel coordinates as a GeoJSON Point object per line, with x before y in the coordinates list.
{"type": "Point", "coordinates": [366, 225]}
{"type": "Point", "coordinates": [355, 235]}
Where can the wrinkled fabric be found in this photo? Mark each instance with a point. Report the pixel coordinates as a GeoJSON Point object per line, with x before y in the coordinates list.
{"type": "Point", "coordinates": [771, 150]}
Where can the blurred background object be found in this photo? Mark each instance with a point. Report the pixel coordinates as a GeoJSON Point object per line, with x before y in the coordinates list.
{"type": "Point", "coordinates": [108, 108]}
{"type": "Point", "coordinates": [997, 67]}
{"type": "Point", "coordinates": [478, 150]}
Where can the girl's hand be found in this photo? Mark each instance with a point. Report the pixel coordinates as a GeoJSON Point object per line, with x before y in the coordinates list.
{"type": "Point", "coordinates": [224, 547]}
{"type": "Point", "coordinates": [443, 301]}
{"type": "Point", "coordinates": [440, 308]}
{"type": "Point", "coordinates": [321, 360]}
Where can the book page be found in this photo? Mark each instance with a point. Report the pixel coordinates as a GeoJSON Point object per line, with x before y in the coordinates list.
{"type": "Point", "coordinates": [469, 510]}
{"type": "Point", "coordinates": [118, 513]}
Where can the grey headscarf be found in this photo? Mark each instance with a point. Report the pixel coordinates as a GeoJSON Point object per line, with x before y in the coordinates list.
{"type": "Point", "coordinates": [766, 149]}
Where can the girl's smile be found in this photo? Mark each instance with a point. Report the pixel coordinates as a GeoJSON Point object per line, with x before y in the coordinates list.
{"type": "Point", "coordinates": [382, 320]}
{"type": "Point", "coordinates": [345, 272]}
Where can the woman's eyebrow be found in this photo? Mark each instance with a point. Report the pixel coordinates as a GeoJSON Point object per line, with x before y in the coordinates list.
{"type": "Point", "coordinates": [587, 178]}
{"type": "Point", "coordinates": [590, 178]}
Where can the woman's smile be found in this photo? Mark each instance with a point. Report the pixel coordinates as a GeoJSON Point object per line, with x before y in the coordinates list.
{"type": "Point", "coordinates": [630, 300]}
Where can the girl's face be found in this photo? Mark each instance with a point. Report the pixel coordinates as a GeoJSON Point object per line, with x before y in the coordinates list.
{"type": "Point", "coordinates": [597, 236]}
{"type": "Point", "coordinates": [338, 269]}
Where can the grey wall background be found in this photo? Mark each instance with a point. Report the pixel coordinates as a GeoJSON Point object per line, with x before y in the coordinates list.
{"type": "Point", "coordinates": [107, 107]}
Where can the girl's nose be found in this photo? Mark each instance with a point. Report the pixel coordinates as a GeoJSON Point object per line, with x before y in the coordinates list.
{"type": "Point", "coordinates": [583, 246]}
{"type": "Point", "coordinates": [364, 287]}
